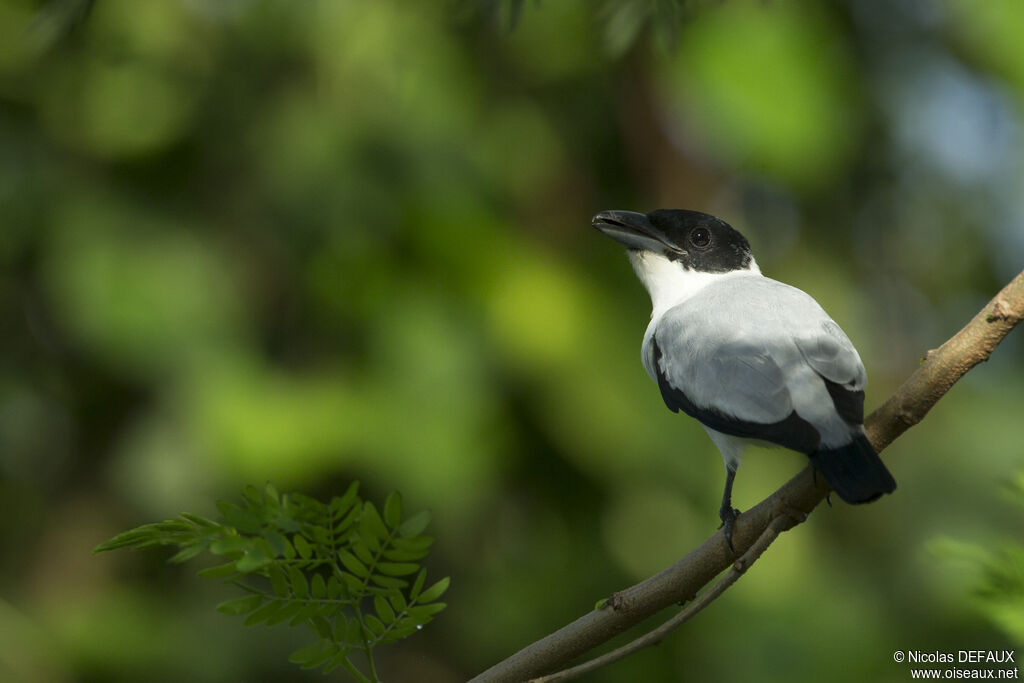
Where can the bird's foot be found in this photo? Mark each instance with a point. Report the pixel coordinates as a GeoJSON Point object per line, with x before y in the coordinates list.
{"type": "Point", "coordinates": [728, 515]}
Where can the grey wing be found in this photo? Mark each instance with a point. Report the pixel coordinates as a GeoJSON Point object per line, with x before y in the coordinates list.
{"type": "Point", "coordinates": [831, 354]}
{"type": "Point", "coordinates": [728, 382]}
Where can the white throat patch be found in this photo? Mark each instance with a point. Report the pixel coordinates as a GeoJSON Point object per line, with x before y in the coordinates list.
{"type": "Point", "coordinates": [669, 284]}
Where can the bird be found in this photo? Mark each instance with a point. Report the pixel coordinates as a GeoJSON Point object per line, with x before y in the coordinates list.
{"type": "Point", "coordinates": [752, 359]}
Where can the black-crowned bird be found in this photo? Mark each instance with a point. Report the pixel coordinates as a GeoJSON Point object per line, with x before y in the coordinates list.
{"type": "Point", "coordinates": [752, 359]}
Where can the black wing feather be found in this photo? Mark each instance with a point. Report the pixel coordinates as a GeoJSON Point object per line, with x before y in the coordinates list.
{"type": "Point", "coordinates": [849, 404]}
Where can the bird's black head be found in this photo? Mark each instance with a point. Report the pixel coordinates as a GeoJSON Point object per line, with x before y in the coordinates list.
{"type": "Point", "coordinates": [695, 240]}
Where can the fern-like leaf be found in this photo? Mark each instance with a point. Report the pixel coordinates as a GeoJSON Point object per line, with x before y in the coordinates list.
{"type": "Point", "coordinates": [336, 569]}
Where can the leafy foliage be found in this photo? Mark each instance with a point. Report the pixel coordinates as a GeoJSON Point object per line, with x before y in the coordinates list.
{"type": "Point", "coordinates": [342, 569]}
{"type": "Point", "coordinates": [996, 580]}
{"type": "Point", "coordinates": [997, 574]}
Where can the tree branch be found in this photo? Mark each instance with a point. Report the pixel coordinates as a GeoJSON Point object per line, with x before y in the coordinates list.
{"type": "Point", "coordinates": [739, 567]}
{"type": "Point", "coordinates": [940, 369]}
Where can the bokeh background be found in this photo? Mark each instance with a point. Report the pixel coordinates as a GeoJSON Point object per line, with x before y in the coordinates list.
{"type": "Point", "coordinates": [310, 242]}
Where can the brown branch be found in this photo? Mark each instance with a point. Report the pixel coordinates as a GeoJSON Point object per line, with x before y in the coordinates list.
{"type": "Point", "coordinates": [739, 567]}
{"type": "Point", "coordinates": [940, 369]}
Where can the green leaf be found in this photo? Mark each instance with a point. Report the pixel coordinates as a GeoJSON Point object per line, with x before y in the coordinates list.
{"type": "Point", "coordinates": [417, 585]}
{"type": "Point", "coordinates": [337, 660]}
{"type": "Point", "coordinates": [278, 580]}
{"type": "Point", "coordinates": [229, 545]}
{"type": "Point", "coordinates": [372, 522]}
{"type": "Point", "coordinates": [424, 613]}
{"type": "Point", "coordinates": [268, 610]}
{"type": "Point", "coordinates": [317, 652]}
{"type": "Point", "coordinates": [255, 558]}
{"type": "Point", "coordinates": [398, 633]}
{"type": "Point", "coordinates": [309, 507]}
{"type": "Point", "coordinates": [328, 609]}
{"type": "Point", "coordinates": [320, 535]}
{"type": "Point", "coordinates": [339, 628]}
{"type": "Point", "coordinates": [187, 553]}
{"type": "Point", "coordinates": [321, 626]}
{"type": "Point", "coordinates": [307, 612]}
{"type": "Point", "coordinates": [170, 532]}
{"type": "Point", "coordinates": [288, 525]}
{"type": "Point", "coordinates": [374, 624]}
{"type": "Point", "coordinates": [404, 555]}
{"type": "Point", "coordinates": [318, 587]}
{"type": "Point", "coordinates": [199, 520]}
{"type": "Point", "coordinates": [353, 564]}
{"type": "Point", "coordinates": [312, 610]}
{"type": "Point", "coordinates": [393, 510]}
{"type": "Point", "coordinates": [383, 608]}
{"type": "Point", "coordinates": [353, 584]}
{"type": "Point", "coordinates": [347, 521]}
{"type": "Point", "coordinates": [397, 568]}
{"type": "Point", "coordinates": [278, 543]}
{"type": "Point", "coordinates": [415, 544]}
{"type": "Point", "coordinates": [335, 588]}
{"type": "Point", "coordinates": [354, 632]}
{"type": "Point", "coordinates": [398, 601]}
{"type": "Point", "coordinates": [175, 527]}
{"type": "Point", "coordinates": [253, 495]}
{"type": "Point", "coordinates": [361, 551]}
{"type": "Point", "coordinates": [271, 493]}
{"type": "Point", "coordinates": [298, 580]}
{"type": "Point", "coordinates": [600, 604]}
{"type": "Point", "coordinates": [435, 591]}
{"type": "Point", "coordinates": [302, 547]}
{"type": "Point", "coordinates": [327, 653]}
{"type": "Point", "coordinates": [388, 581]}
{"type": "Point", "coordinates": [244, 520]}
{"type": "Point", "coordinates": [220, 571]}
{"type": "Point", "coordinates": [366, 537]}
{"type": "Point", "coordinates": [340, 504]}
{"type": "Point", "coordinates": [305, 654]}
{"type": "Point", "coordinates": [415, 525]}
{"type": "Point", "coordinates": [238, 606]}
{"type": "Point", "coordinates": [287, 612]}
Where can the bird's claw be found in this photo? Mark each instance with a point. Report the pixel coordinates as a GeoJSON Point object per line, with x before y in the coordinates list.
{"type": "Point", "coordinates": [728, 516]}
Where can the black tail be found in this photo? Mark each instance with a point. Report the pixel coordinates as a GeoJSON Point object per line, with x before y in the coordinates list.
{"type": "Point", "coordinates": [855, 471]}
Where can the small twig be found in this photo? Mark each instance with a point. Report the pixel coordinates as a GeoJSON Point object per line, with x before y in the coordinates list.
{"type": "Point", "coordinates": [783, 522]}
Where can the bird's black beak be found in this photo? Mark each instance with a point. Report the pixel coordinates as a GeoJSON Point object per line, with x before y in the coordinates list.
{"type": "Point", "coordinates": [635, 231]}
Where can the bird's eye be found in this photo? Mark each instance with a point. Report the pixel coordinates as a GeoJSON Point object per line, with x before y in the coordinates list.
{"type": "Point", "coordinates": [700, 237]}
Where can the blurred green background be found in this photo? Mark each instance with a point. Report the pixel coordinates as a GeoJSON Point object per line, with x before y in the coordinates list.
{"type": "Point", "coordinates": [307, 242]}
